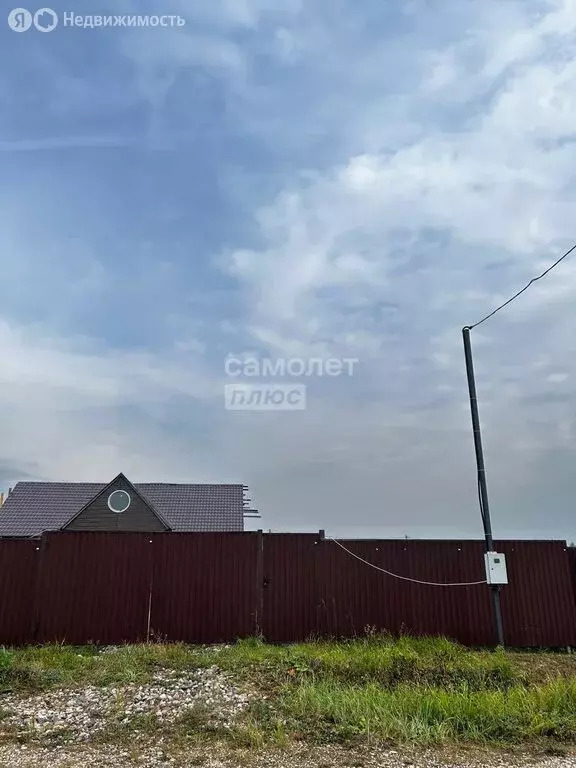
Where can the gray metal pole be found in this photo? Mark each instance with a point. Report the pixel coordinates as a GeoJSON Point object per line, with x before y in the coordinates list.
{"type": "Point", "coordinates": [482, 487]}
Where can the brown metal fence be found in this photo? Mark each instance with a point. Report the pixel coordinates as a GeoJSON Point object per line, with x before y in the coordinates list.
{"type": "Point", "coordinates": [538, 603]}
{"type": "Point", "coordinates": [539, 608]}
{"type": "Point", "coordinates": [353, 595]}
{"type": "Point", "coordinates": [204, 586]}
{"type": "Point", "coordinates": [93, 588]}
{"type": "Point", "coordinates": [290, 586]}
{"type": "Point", "coordinates": [572, 566]}
{"type": "Point", "coordinates": [19, 560]}
{"type": "Point", "coordinates": [215, 587]}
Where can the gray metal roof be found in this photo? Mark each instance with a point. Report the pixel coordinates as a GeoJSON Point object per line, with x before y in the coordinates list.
{"type": "Point", "coordinates": [33, 508]}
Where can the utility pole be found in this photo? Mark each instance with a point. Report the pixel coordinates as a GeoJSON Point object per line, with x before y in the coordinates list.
{"type": "Point", "coordinates": [482, 487]}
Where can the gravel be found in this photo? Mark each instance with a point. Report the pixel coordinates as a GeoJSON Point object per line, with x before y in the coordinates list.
{"type": "Point", "coordinates": [198, 649]}
{"type": "Point", "coordinates": [80, 714]}
{"type": "Point", "coordinates": [299, 756]}
{"type": "Point", "coordinates": [56, 729]}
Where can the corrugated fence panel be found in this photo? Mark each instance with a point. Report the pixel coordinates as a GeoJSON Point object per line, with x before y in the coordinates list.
{"type": "Point", "coordinates": [357, 596]}
{"type": "Point", "coordinates": [216, 587]}
{"type": "Point", "coordinates": [460, 612]}
{"type": "Point", "coordinates": [571, 554]}
{"type": "Point", "coordinates": [94, 587]}
{"type": "Point", "coordinates": [538, 602]}
{"type": "Point", "coordinates": [291, 605]}
{"type": "Point", "coordinates": [205, 586]}
{"type": "Point", "coordinates": [19, 561]}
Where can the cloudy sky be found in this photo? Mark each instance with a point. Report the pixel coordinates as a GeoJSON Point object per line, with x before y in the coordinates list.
{"type": "Point", "coordinates": [296, 178]}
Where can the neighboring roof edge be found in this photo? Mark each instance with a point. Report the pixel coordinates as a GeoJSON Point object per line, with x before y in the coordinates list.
{"type": "Point", "coordinates": [143, 498]}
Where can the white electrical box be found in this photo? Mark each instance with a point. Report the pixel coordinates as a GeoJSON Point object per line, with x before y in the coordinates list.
{"type": "Point", "coordinates": [495, 568]}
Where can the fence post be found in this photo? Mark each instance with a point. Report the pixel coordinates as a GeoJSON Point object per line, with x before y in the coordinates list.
{"type": "Point", "coordinates": [150, 592]}
{"type": "Point", "coordinates": [259, 612]}
{"type": "Point", "coordinates": [35, 628]}
{"type": "Point", "coordinates": [318, 592]}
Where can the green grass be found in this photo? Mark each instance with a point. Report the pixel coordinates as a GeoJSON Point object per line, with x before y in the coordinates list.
{"type": "Point", "coordinates": [409, 690]}
{"type": "Point", "coordinates": [49, 666]}
{"type": "Point", "coordinates": [422, 661]}
{"type": "Point", "coordinates": [328, 710]}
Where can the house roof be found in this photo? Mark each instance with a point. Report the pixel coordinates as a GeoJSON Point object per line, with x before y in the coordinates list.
{"type": "Point", "coordinates": [33, 508]}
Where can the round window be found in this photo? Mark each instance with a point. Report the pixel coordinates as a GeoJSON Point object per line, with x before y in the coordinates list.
{"type": "Point", "coordinates": [119, 501]}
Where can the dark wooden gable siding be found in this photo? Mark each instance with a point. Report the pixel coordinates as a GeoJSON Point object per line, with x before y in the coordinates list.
{"type": "Point", "coordinates": [96, 516]}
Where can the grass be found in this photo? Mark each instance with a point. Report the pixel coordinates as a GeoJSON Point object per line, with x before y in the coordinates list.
{"type": "Point", "coordinates": [39, 668]}
{"type": "Point", "coordinates": [418, 691]}
{"type": "Point", "coordinates": [425, 715]}
{"type": "Point", "coordinates": [389, 662]}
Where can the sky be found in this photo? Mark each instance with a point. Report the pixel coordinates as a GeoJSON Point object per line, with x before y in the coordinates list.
{"type": "Point", "coordinates": [311, 179]}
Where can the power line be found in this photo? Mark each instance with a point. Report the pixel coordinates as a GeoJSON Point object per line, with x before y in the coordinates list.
{"type": "Point", "coordinates": [534, 279]}
{"type": "Point", "coordinates": [405, 578]}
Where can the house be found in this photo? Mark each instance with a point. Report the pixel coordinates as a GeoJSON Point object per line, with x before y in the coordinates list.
{"type": "Point", "coordinates": [32, 508]}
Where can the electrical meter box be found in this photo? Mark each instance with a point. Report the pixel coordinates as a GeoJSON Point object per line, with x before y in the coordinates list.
{"type": "Point", "coordinates": [495, 568]}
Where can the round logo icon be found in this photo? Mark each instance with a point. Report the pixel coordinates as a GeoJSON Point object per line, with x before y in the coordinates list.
{"type": "Point", "coordinates": [45, 20]}
{"type": "Point", "coordinates": [19, 20]}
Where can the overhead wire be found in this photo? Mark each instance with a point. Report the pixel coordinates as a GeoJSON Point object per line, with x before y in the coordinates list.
{"type": "Point", "coordinates": [482, 510]}
{"type": "Point", "coordinates": [406, 578]}
{"type": "Point", "coordinates": [494, 311]}
{"type": "Point", "coordinates": [521, 291]}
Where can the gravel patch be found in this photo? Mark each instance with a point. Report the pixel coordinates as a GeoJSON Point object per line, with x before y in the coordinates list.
{"type": "Point", "coordinates": [299, 756]}
{"type": "Point", "coordinates": [80, 714]}
{"type": "Point", "coordinates": [106, 649]}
